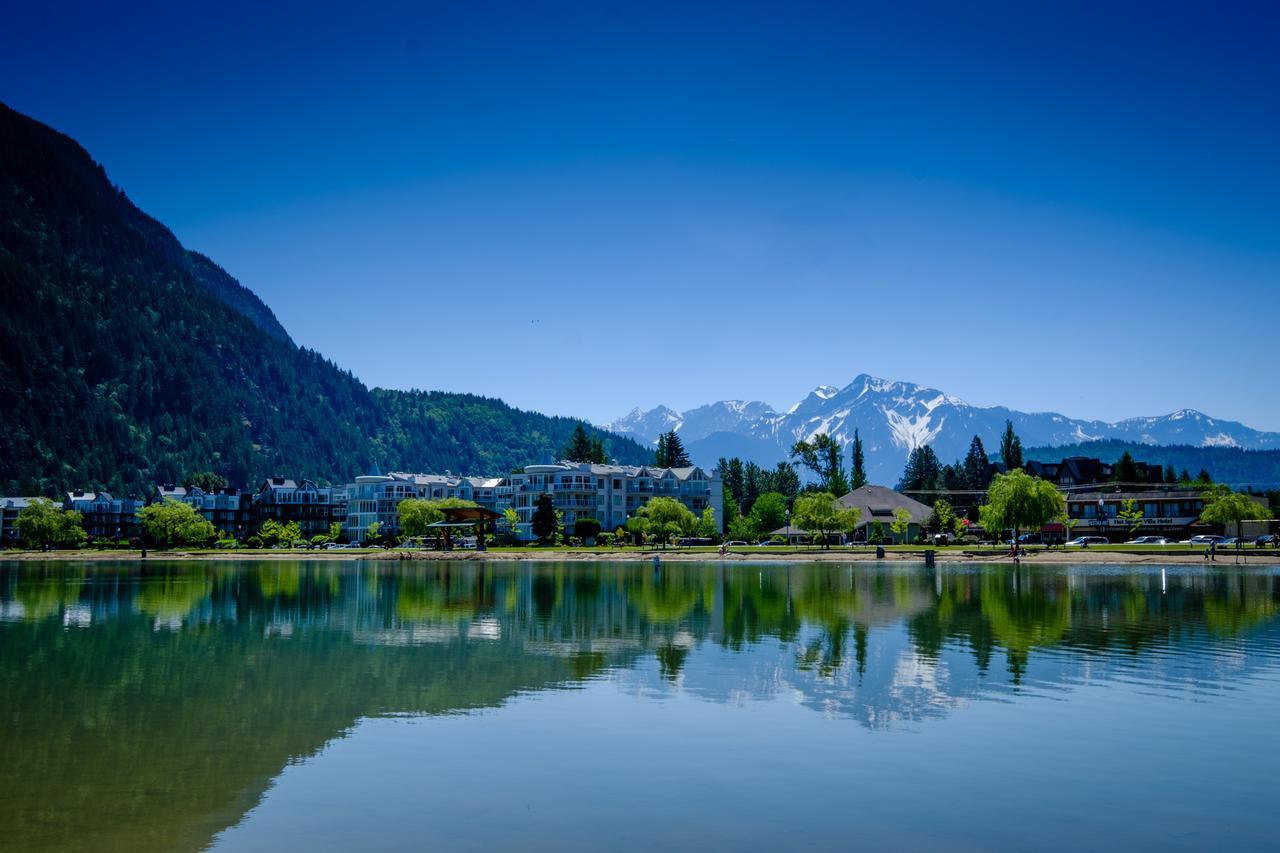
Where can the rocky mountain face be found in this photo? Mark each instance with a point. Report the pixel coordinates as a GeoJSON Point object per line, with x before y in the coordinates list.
{"type": "Point", "coordinates": [895, 417]}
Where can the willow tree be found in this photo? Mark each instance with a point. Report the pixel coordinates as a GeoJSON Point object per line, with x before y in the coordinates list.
{"type": "Point", "coordinates": [1223, 506]}
{"type": "Point", "coordinates": [819, 513]}
{"type": "Point", "coordinates": [1019, 502]}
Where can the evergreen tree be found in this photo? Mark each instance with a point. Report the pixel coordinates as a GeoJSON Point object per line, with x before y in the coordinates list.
{"type": "Point", "coordinates": [580, 448]}
{"type": "Point", "coordinates": [1203, 478]}
{"type": "Point", "coordinates": [752, 486]}
{"type": "Point", "coordinates": [545, 520]}
{"type": "Point", "coordinates": [671, 452]}
{"type": "Point", "coordinates": [1170, 475]}
{"type": "Point", "coordinates": [976, 466]}
{"type": "Point", "coordinates": [731, 472]}
{"type": "Point", "coordinates": [922, 473]}
{"type": "Point", "coordinates": [1010, 447]}
{"type": "Point", "coordinates": [1125, 471]}
{"type": "Point", "coordinates": [1185, 477]}
{"type": "Point", "coordinates": [785, 480]}
{"type": "Point", "coordinates": [858, 469]}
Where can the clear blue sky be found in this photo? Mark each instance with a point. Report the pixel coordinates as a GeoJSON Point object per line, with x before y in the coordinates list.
{"type": "Point", "coordinates": [604, 205]}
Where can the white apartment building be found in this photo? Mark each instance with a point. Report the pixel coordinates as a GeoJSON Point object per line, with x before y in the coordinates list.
{"type": "Point", "coordinates": [609, 493]}
{"type": "Point", "coordinates": [376, 497]}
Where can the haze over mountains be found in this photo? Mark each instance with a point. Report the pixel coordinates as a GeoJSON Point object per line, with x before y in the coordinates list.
{"type": "Point", "coordinates": [895, 417]}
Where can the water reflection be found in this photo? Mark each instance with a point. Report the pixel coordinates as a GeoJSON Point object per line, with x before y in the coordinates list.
{"type": "Point", "coordinates": [191, 685]}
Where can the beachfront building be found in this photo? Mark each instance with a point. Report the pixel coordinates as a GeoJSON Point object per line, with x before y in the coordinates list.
{"type": "Point", "coordinates": [1173, 512]}
{"type": "Point", "coordinates": [229, 510]}
{"type": "Point", "coordinates": [878, 503]}
{"type": "Point", "coordinates": [376, 497]}
{"type": "Point", "coordinates": [609, 493]}
{"type": "Point", "coordinates": [104, 516]}
{"type": "Point", "coordinates": [313, 507]}
{"type": "Point", "coordinates": [9, 509]}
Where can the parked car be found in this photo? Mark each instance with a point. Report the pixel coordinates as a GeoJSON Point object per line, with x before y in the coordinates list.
{"type": "Point", "coordinates": [1206, 539]}
{"type": "Point", "coordinates": [1267, 540]}
{"type": "Point", "coordinates": [1026, 539]}
{"type": "Point", "coordinates": [764, 542]}
{"type": "Point", "coordinates": [1086, 541]}
{"type": "Point", "coordinates": [1231, 542]}
{"type": "Point", "coordinates": [735, 543]}
{"type": "Point", "coordinates": [943, 538]}
{"type": "Point", "coordinates": [1148, 540]}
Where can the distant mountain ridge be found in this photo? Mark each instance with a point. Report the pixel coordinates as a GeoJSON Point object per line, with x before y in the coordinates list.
{"type": "Point", "coordinates": [127, 359]}
{"type": "Point", "coordinates": [895, 417]}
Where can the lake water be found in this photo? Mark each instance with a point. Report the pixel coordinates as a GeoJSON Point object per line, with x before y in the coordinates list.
{"type": "Point", "coordinates": [468, 706]}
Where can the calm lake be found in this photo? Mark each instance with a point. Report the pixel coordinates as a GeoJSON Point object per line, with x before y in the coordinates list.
{"type": "Point", "coordinates": [468, 706]}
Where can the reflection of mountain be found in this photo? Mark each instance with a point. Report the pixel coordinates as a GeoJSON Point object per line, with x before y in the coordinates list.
{"type": "Point", "coordinates": [151, 711]}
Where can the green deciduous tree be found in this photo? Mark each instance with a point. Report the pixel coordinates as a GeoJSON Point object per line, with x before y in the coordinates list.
{"type": "Point", "coordinates": [769, 512]}
{"type": "Point", "coordinates": [821, 516]}
{"type": "Point", "coordinates": [823, 456]}
{"type": "Point", "coordinates": [172, 523]}
{"type": "Point", "coordinates": [273, 532]}
{"type": "Point", "coordinates": [1019, 502]}
{"type": "Point", "coordinates": [43, 524]}
{"type": "Point", "coordinates": [205, 481]}
{"type": "Point", "coordinates": [415, 514]}
{"type": "Point", "coordinates": [668, 517]}
{"type": "Point", "coordinates": [1130, 513]}
{"type": "Point", "coordinates": [901, 523]}
{"type": "Point", "coordinates": [586, 528]}
{"type": "Point", "coordinates": [1223, 506]}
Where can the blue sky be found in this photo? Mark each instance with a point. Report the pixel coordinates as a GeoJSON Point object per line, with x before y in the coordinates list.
{"type": "Point", "coordinates": [1071, 207]}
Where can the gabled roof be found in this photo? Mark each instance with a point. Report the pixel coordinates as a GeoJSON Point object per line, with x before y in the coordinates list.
{"type": "Point", "coordinates": [169, 490]}
{"type": "Point", "coordinates": [878, 502]}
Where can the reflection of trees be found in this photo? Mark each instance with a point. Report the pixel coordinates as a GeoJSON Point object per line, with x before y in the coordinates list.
{"type": "Point", "coordinates": [1023, 619]}
{"type": "Point", "coordinates": [171, 596]}
{"type": "Point", "coordinates": [44, 592]}
{"type": "Point", "coordinates": [1243, 603]}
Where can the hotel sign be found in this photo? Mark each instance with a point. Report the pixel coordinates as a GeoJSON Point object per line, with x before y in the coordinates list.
{"type": "Point", "coordinates": [1152, 521]}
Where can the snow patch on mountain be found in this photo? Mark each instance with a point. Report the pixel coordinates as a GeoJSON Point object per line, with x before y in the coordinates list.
{"type": "Point", "coordinates": [895, 417]}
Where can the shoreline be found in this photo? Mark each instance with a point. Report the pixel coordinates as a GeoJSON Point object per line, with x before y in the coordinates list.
{"type": "Point", "coordinates": [781, 555]}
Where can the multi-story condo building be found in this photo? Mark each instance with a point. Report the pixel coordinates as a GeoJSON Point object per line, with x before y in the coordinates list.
{"type": "Point", "coordinates": [610, 493]}
{"type": "Point", "coordinates": [229, 510]}
{"type": "Point", "coordinates": [9, 509]}
{"type": "Point", "coordinates": [377, 497]}
{"type": "Point", "coordinates": [313, 507]}
{"type": "Point", "coordinates": [106, 517]}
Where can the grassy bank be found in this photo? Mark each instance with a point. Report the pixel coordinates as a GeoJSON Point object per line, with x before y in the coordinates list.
{"type": "Point", "coordinates": [911, 553]}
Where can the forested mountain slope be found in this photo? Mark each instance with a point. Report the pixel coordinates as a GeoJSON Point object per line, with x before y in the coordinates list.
{"type": "Point", "coordinates": [126, 359]}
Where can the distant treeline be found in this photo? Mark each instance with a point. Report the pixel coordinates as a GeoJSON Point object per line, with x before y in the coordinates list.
{"type": "Point", "coordinates": [1231, 465]}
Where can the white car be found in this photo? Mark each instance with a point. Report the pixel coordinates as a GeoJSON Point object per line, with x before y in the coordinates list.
{"type": "Point", "coordinates": [1206, 539]}
{"type": "Point", "coordinates": [1086, 541]}
{"type": "Point", "coordinates": [1148, 540]}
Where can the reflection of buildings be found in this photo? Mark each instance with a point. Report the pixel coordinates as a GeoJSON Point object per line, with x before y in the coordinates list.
{"type": "Point", "coordinates": [200, 682]}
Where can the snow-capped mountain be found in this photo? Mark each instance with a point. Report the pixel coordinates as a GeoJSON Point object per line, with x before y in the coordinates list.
{"type": "Point", "coordinates": [895, 417]}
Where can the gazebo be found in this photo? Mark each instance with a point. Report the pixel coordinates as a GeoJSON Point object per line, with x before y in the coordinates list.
{"type": "Point", "coordinates": [457, 517]}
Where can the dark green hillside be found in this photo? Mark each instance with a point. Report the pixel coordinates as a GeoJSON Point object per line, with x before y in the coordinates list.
{"type": "Point", "coordinates": [126, 359]}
